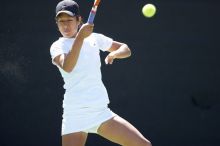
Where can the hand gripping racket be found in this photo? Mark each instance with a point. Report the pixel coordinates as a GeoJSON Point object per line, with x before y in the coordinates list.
{"type": "Point", "coordinates": [93, 12]}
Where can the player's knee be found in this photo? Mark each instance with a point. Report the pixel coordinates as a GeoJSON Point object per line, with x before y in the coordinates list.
{"type": "Point", "coordinates": [148, 143]}
{"type": "Point", "coordinates": [144, 142]}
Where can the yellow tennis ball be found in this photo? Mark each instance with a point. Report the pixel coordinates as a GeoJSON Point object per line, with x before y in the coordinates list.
{"type": "Point", "coordinates": [149, 10]}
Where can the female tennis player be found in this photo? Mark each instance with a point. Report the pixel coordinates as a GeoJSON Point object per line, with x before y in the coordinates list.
{"type": "Point", "coordinates": [85, 104]}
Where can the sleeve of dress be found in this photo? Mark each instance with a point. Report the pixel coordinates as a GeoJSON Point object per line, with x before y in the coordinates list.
{"type": "Point", "coordinates": [104, 42]}
{"type": "Point", "coordinates": [56, 49]}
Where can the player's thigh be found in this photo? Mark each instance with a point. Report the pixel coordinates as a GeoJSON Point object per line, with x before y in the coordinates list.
{"type": "Point", "coordinates": [122, 132]}
{"type": "Point", "coordinates": [74, 139]}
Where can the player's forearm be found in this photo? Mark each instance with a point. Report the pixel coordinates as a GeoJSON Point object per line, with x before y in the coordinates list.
{"type": "Point", "coordinates": [72, 57]}
{"type": "Point", "coordinates": [122, 52]}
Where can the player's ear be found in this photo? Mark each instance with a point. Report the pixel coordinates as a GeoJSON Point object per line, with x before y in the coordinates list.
{"type": "Point", "coordinates": [79, 19]}
{"type": "Point", "coordinates": [80, 22]}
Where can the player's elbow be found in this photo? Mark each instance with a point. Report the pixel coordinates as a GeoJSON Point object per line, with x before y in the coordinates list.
{"type": "Point", "coordinates": [128, 50]}
{"type": "Point", "coordinates": [67, 69]}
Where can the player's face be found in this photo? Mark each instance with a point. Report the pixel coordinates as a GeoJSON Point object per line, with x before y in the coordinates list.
{"type": "Point", "coordinates": [67, 25]}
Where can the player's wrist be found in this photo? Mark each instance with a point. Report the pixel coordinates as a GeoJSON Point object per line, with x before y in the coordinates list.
{"type": "Point", "coordinates": [80, 36]}
{"type": "Point", "coordinates": [113, 54]}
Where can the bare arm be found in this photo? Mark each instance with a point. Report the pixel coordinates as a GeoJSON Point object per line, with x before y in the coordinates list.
{"type": "Point", "coordinates": [68, 61]}
{"type": "Point", "coordinates": [117, 51]}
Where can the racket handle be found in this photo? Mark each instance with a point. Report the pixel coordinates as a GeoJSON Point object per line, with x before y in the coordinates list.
{"type": "Point", "coordinates": [91, 17]}
{"type": "Point", "coordinates": [93, 12]}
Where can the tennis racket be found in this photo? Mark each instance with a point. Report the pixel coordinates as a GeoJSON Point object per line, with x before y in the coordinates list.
{"type": "Point", "coordinates": [93, 11]}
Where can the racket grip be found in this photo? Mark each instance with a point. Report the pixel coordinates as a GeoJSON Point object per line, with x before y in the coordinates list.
{"type": "Point", "coordinates": [91, 17]}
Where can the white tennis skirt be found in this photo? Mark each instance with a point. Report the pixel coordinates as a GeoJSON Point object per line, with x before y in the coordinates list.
{"type": "Point", "coordinates": [81, 119]}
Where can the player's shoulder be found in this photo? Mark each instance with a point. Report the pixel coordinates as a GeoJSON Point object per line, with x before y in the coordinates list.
{"type": "Point", "coordinates": [55, 42]}
{"type": "Point", "coordinates": [58, 42]}
{"type": "Point", "coordinates": [96, 36]}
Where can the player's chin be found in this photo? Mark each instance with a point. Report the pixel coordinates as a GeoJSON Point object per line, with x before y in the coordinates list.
{"type": "Point", "coordinates": [68, 35]}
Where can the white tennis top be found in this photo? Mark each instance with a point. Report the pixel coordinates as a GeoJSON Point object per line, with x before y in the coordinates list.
{"type": "Point", "coordinates": [84, 86]}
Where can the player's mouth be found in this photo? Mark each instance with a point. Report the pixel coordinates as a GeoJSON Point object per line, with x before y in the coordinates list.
{"type": "Point", "coordinates": [66, 31]}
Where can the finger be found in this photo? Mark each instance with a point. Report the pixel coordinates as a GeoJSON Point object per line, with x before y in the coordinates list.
{"type": "Point", "coordinates": [111, 61]}
{"type": "Point", "coordinates": [106, 60]}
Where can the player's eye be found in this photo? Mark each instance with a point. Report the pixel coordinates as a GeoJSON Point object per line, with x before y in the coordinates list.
{"type": "Point", "coordinates": [64, 21]}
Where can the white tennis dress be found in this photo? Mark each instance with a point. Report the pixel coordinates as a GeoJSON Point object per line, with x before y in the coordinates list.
{"type": "Point", "coordinates": [86, 100]}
